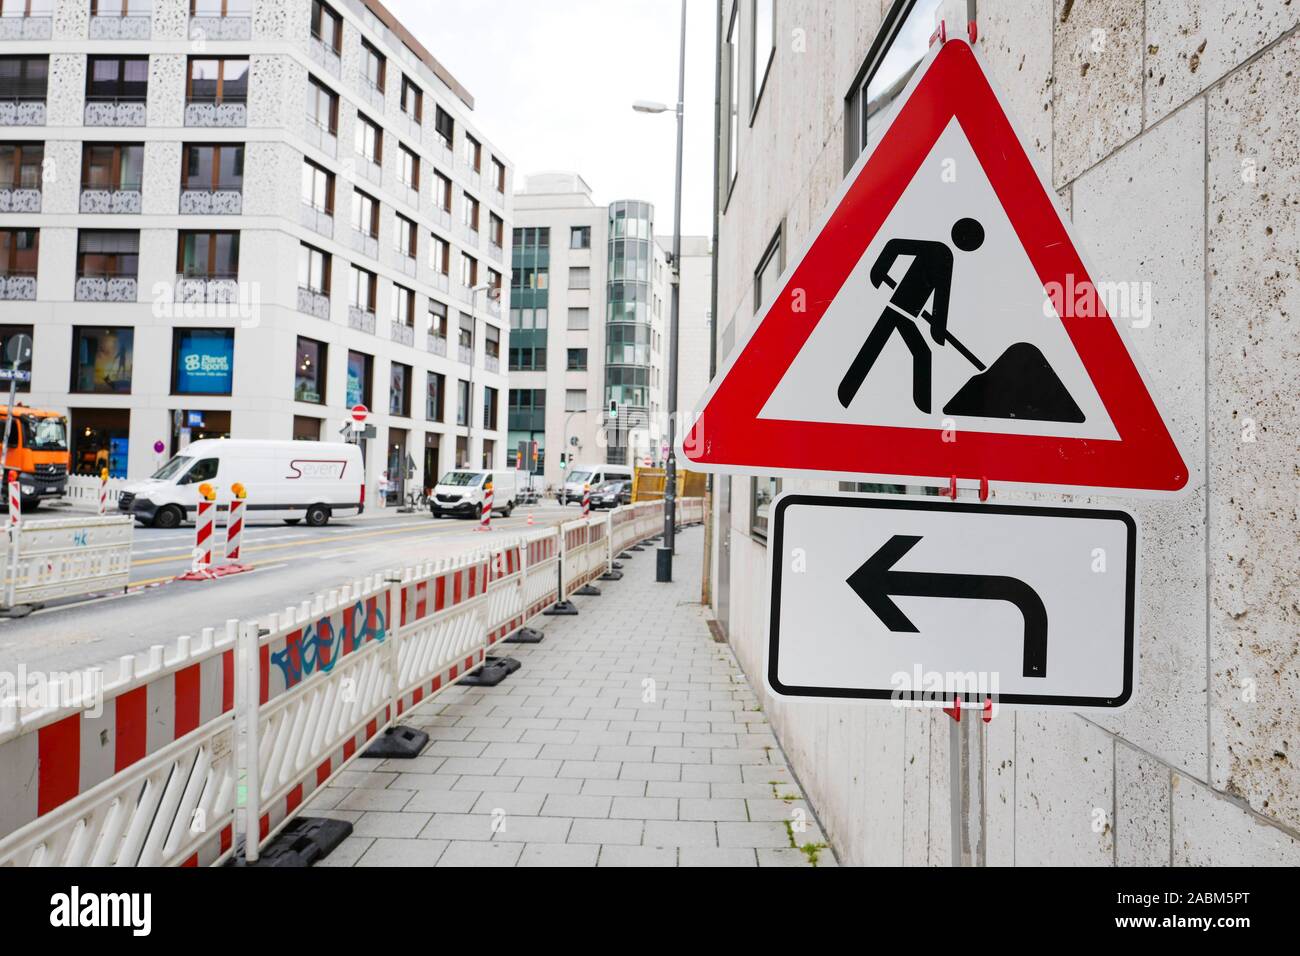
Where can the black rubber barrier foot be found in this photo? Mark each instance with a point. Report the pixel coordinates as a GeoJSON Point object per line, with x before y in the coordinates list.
{"type": "Point", "coordinates": [637, 547]}
{"type": "Point", "coordinates": [526, 635]}
{"type": "Point", "coordinates": [493, 671]}
{"type": "Point", "coordinates": [400, 742]}
{"type": "Point", "coordinates": [612, 576]}
{"type": "Point", "coordinates": [305, 841]}
{"type": "Point", "coordinates": [616, 565]}
{"type": "Point", "coordinates": [588, 590]}
{"type": "Point", "coordinates": [561, 609]}
{"type": "Point", "coordinates": [625, 556]}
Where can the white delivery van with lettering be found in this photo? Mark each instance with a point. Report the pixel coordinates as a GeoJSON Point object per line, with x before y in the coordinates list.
{"type": "Point", "coordinates": [285, 480]}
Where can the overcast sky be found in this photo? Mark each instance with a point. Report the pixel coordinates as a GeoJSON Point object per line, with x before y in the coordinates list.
{"type": "Point", "coordinates": [553, 82]}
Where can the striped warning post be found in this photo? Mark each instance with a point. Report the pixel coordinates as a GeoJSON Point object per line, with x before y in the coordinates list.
{"type": "Point", "coordinates": [485, 522]}
{"type": "Point", "coordinates": [203, 527]}
{"type": "Point", "coordinates": [586, 499]}
{"type": "Point", "coordinates": [15, 501]}
{"type": "Point", "coordinates": [103, 492]}
{"type": "Point", "coordinates": [235, 522]}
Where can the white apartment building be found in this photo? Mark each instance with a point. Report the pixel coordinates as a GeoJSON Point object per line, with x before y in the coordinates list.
{"type": "Point", "coordinates": [589, 314]}
{"type": "Point", "coordinates": [242, 218]}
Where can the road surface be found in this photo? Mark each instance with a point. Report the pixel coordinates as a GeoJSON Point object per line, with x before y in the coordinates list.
{"type": "Point", "coordinates": [290, 565]}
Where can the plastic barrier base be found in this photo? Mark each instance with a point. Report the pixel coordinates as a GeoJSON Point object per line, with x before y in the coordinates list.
{"type": "Point", "coordinates": [209, 574]}
{"type": "Point", "coordinates": [637, 547]}
{"type": "Point", "coordinates": [561, 609]}
{"type": "Point", "coordinates": [303, 842]}
{"type": "Point", "coordinates": [526, 635]}
{"type": "Point", "coordinates": [493, 672]}
{"type": "Point", "coordinates": [400, 743]}
{"type": "Point", "coordinates": [612, 576]}
{"type": "Point", "coordinates": [588, 590]}
{"type": "Point", "coordinates": [625, 556]}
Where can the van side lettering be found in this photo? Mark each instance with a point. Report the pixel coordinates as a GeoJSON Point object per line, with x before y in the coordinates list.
{"type": "Point", "coordinates": [318, 468]}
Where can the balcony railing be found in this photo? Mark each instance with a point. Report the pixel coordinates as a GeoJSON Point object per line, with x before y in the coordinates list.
{"type": "Point", "coordinates": [124, 198]}
{"type": "Point", "coordinates": [17, 198]}
{"type": "Point", "coordinates": [368, 169]}
{"type": "Point", "coordinates": [226, 114]}
{"type": "Point", "coordinates": [408, 264]}
{"type": "Point", "coordinates": [317, 219]}
{"type": "Point", "coordinates": [22, 112]}
{"type": "Point", "coordinates": [401, 334]}
{"type": "Point", "coordinates": [468, 234]}
{"type": "Point", "coordinates": [441, 281]}
{"type": "Point", "coordinates": [320, 137]}
{"type": "Point", "coordinates": [18, 286]}
{"type": "Point", "coordinates": [323, 54]}
{"type": "Point", "coordinates": [221, 28]}
{"type": "Point", "coordinates": [92, 288]}
{"type": "Point", "coordinates": [212, 202]}
{"type": "Point", "coordinates": [26, 28]}
{"type": "Point", "coordinates": [129, 27]}
{"type": "Point", "coordinates": [435, 344]}
{"type": "Point", "coordinates": [114, 112]}
{"type": "Point", "coordinates": [314, 303]}
{"type": "Point", "coordinates": [209, 288]}
{"type": "Point", "coordinates": [465, 354]}
{"type": "Point", "coordinates": [495, 250]}
{"type": "Point", "coordinates": [442, 217]}
{"type": "Point", "coordinates": [365, 244]}
{"type": "Point", "coordinates": [361, 319]}
{"type": "Point", "coordinates": [492, 363]}
{"type": "Point", "coordinates": [372, 94]}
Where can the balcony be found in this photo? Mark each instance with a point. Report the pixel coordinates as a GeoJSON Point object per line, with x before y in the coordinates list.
{"type": "Point", "coordinates": [106, 289]}
{"type": "Point", "coordinates": [22, 112]}
{"type": "Point", "coordinates": [114, 112]}
{"type": "Point", "coordinates": [221, 28]}
{"type": "Point", "coordinates": [223, 115]}
{"type": "Point", "coordinates": [316, 219]}
{"type": "Point", "coordinates": [314, 303]}
{"type": "Point", "coordinates": [204, 289]}
{"type": "Point", "coordinates": [121, 199]}
{"type": "Point", "coordinates": [129, 27]}
{"type": "Point", "coordinates": [18, 286]}
{"type": "Point", "coordinates": [324, 54]}
{"type": "Point", "coordinates": [401, 334]}
{"type": "Point", "coordinates": [212, 202]}
{"type": "Point", "coordinates": [361, 319]}
{"type": "Point", "coordinates": [364, 243]}
{"type": "Point", "coordinates": [320, 137]}
{"type": "Point", "coordinates": [435, 344]}
{"type": "Point", "coordinates": [14, 198]}
{"type": "Point", "coordinates": [26, 28]}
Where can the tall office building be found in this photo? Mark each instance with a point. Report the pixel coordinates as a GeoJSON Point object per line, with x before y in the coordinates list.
{"type": "Point", "coordinates": [244, 217]}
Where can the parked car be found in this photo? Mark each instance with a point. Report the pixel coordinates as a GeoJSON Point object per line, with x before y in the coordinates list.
{"type": "Point", "coordinates": [460, 493]}
{"type": "Point", "coordinates": [612, 494]}
{"type": "Point", "coordinates": [593, 475]}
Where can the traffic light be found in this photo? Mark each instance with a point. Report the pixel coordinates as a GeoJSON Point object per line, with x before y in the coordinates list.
{"type": "Point", "coordinates": [613, 409]}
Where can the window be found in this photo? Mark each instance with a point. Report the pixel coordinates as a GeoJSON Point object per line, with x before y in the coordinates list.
{"type": "Point", "coordinates": [306, 428]}
{"type": "Point", "coordinates": [313, 269]}
{"type": "Point", "coordinates": [466, 338]}
{"type": "Point", "coordinates": [360, 372]}
{"type": "Point", "coordinates": [499, 175]}
{"type": "Point", "coordinates": [210, 255]}
{"type": "Point", "coordinates": [117, 8]}
{"type": "Point", "coordinates": [442, 192]}
{"type": "Point", "coordinates": [20, 165]}
{"type": "Point", "coordinates": [496, 229]}
{"type": "Point", "coordinates": [369, 140]}
{"type": "Point", "coordinates": [362, 289]}
{"type": "Point", "coordinates": [404, 240]}
{"type": "Point", "coordinates": [580, 237]}
{"type": "Point", "coordinates": [468, 271]}
{"type": "Point", "coordinates": [317, 187]}
{"type": "Point", "coordinates": [122, 79]}
{"type": "Point", "coordinates": [408, 167]}
{"type": "Point", "coordinates": [204, 361]}
{"type": "Point", "coordinates": [439, 255]}
{"type": "Point", "coordinates": [219, 80]}
{"type": "Point", "coordinates": [733, 97]}
{"type": "Point", "coordinates": [18, 249]}
{"type": "Point", "coordinates": [899, 47]}
{"type": "Point", "coordinates": [412, 99]}
{"type": "Point", "coordinates": [213, 166]}
{"type": "Point", "coordinates": [472, 153]}
{"type": "Point", "coordinates": [494, 280]}
{"type": "Point", "coordinates": [579, 319]}
{"type": "Point", "coordinates": [373, 65]}
{"type": "Point", "coordinates": [489, 409]}
{"type": "Point", "coordinates": [221, 8]}
{"type": "Point", "coordinates": [326, 25]}
{"type": "Point", "coordinates": [105, 166]}
{"type": "Point", "coordinates": [761, 493]}
{"type": "Point", "coordinates": [111, 254]}
{"type": "Point", "coordinates": [491, 341]}
{"type": "Point", "coordinates": [462, 402]}
{"type": "Point", "coordinates": [763, 49]}
{"type": "Point", "coordinates": [444, 126]}
{"type": "Point", "coordinates": [437, 319]}
{"type": "Point", "coordinates": [309, 371]}
{"type": "Point", "coordinates": [469, 212]}
{"type": "Point", "coordinates": [577, 360]}
{"type": "Point", "coordinates": [102, 360]}
{"type": "Point", "coordinates": [365, 214]}
{"type": "Point", "coordinates": [403, 306]}
{"type": "Point", "coordinates": [24, 77]}
{"type": "Point", "coordinates": [434, 386]}
{"type": "Point", "coordinates": [399, 390]}
{"type": "Point", "coordinates": [575, 400]}
{"type": "Point", "coordinates": [769, 270]}
{"type": "Point", "coordinates": [322, 106]}
{"type": "Point", "coordinates": [580, 277]}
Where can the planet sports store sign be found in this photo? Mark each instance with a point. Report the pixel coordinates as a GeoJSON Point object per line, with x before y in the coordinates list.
{"type": "Point", "coordinates": [204, 361]}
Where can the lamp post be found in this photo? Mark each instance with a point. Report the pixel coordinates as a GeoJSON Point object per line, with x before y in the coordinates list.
{"type": "Point", "coordinates": [664, 565]}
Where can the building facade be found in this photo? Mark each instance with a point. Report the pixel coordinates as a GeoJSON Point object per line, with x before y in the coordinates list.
{"type": "Point", "coordinates": [244, 217]}
{"type": "Point", "coordinates": [589, 317]}
{"type": "Point", "coordinates": [1166, 129]}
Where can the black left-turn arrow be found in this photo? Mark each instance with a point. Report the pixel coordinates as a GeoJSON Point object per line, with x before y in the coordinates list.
{"type": "Point", "coordinates": [876, 581]}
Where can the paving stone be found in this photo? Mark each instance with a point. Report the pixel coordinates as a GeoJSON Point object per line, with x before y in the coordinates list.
{"type": "Point", "coordinates": [480, 854]}
{"type": "Point", "coordinates": [644, 808]}
{"type": "Point", "coordinates": [389, 852]}
{"type": "Point", "coordinates": [559, 854]}
{"type": "Point", "coordinates": [716, 856]}
{"type": "Point", "coordinates": [639, 856]}
{"type": "Point", "coordinates": [765, 834]}
{"type": "Point", "coordinates": [380, 823]}
{"type": "Point", "coordinates": [709, 809]}
{"type": "Point", "coordinates": [678, 833]}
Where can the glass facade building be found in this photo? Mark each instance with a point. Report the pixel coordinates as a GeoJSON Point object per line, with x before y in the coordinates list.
{"type": "Point", "coordinates": [628, 332]}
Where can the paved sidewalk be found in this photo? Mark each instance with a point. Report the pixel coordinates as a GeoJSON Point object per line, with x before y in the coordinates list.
{"type": "Point", "coordinates": [628, 738]}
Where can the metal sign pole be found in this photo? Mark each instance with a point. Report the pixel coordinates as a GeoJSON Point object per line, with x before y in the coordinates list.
{"type": "Point", "coordinates": [966, 747]}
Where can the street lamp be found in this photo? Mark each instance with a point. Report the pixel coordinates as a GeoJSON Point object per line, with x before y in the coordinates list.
{"type": "Point", "coordinates": [664, 565]}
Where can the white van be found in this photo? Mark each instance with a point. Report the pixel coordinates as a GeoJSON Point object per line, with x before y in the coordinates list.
{"type": "Point", "coordinates": [594, 475]}
{"type": "Point", "coordinates": [289, 480]}
{"type": "Point", "coordinates": [460, 492]}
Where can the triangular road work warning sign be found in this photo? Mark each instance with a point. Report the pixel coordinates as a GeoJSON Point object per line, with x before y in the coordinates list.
{"type": "Point", "coordinates": [941, 323]}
